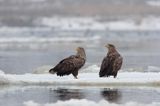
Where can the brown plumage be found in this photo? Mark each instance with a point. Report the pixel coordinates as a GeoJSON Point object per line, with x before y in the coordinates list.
{"type": "Point", "coordinates": [112, 63]}
{"type": "Point", "coordinates": [71, 64]}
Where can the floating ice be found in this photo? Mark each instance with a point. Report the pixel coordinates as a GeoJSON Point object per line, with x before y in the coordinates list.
{"type": "Point", "coordinates": [89, 23]}
{"type": "Point", "coordinates": [153, 69]}
{"type": "Point", "coordinates": [43, 42]}
{"type": "Point", "coordinates": [85, 79]}
{"type": "Point", "coordinates": [72, 23]}
{"type": "Point", "coordinates": [91, 69]}
{"type": "Point", "coordinates": [85, 102]}
{"type": "Point", "coordinates": [153, 3]}
{"type": "Point", "coordinates": [3, 78]}
{"type": "Point", "coordinates": [42, 69]}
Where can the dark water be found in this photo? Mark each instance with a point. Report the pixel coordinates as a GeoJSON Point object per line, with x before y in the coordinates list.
{"type": "Point", "coordinates": [42, 95]}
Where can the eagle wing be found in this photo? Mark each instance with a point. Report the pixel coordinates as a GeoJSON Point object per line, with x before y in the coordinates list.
{"type": "Point", "coordinates": [117, 64]}
{"type": "Point", "coordinates": [104, 67]}
{"type": "Point", "coordinates": [68, 65]}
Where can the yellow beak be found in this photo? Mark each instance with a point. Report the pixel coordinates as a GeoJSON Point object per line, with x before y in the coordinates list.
{"type": "Point", "coordinates": [77, 49]}
{"type": "Point", "coordinates": [107, 45]}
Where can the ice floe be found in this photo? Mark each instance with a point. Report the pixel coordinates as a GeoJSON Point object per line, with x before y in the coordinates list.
{"type": "Point", "coordinates": [85, 79]}
{"type": "Point", "coordinates": [85, 102]}
{"type": "Point", "coordinates": [89, 23]}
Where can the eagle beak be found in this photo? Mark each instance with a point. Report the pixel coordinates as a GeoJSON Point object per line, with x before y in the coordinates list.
{"type": "Point", "coordinates": [107, 46]}
{"type": "Point", "coordinates": [77, 49]}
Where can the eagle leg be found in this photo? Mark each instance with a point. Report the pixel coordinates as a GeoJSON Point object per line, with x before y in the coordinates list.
{"type": "Point", "coordinates": [75, 77]}
{"type": "Point", "coordinates": [115, 75]}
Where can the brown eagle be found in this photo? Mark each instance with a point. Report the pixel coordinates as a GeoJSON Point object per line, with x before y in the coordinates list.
{"type": "Point", "coordinates": [112, 63]}
{"type": "Point", "coordinates": [71, 64]}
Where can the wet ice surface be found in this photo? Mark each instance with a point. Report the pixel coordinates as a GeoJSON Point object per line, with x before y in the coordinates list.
{"type": "Point", "coordinates": [52, 94]}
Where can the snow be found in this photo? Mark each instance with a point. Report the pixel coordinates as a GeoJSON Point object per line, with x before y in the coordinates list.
{"type": "Point", "coordinates": [85, 79]}
{"type": "Point", "coordinates": [84, 102]}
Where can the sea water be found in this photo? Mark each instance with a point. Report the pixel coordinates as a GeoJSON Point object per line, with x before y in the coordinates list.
{"type": "Point", "coordinates": [64, 96]}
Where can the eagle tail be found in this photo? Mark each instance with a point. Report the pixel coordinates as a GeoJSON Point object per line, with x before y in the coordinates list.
{"type": "Point", "coordinates": [52, 71]}
{"type": "Point", "coordinates": [101, 73]}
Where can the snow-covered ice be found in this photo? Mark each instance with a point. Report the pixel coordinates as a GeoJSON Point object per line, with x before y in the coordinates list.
{"type": "Point", "coordinates": [85, 79]}
{"type": "Point", "coordinates": [85, 102]}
